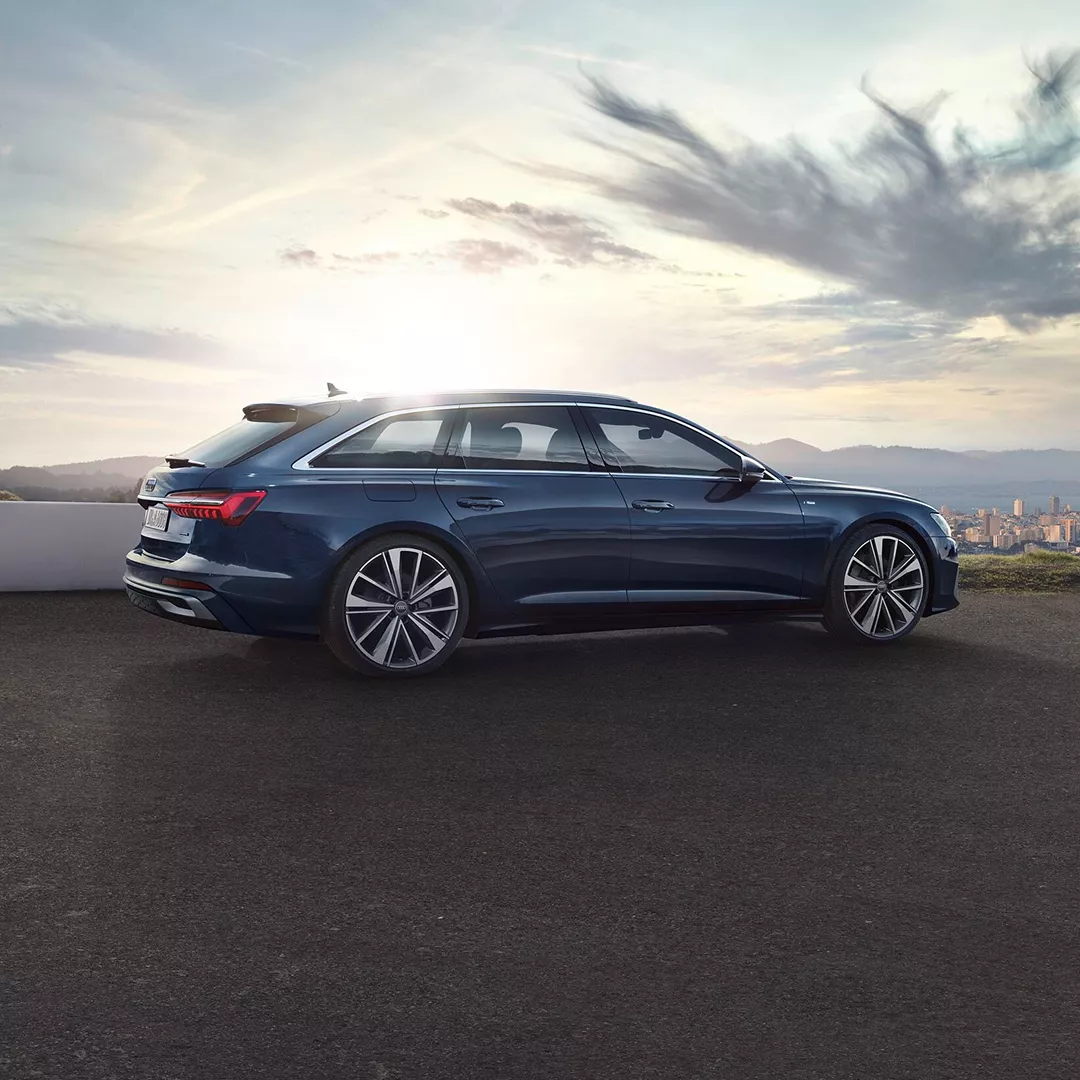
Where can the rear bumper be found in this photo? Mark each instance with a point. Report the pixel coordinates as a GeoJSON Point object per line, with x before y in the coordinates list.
{"type": "Point", "coordinates": [193, 607]}
{"type": "Point", "coordinates": [946, 573]}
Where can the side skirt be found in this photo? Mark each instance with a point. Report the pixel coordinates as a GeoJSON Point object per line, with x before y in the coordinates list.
{"type": "Point", "coordinates": [640, 622]}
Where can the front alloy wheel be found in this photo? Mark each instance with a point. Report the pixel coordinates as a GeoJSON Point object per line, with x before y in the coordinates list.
{"type": "Point", "coordinates": [878, 588]}
{"type": "Point", "coordinates": [397, 608]}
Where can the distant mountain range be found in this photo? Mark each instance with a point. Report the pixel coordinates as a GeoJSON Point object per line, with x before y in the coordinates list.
{"type": "Point", "coordinates": [108, 480]}
{"type": "Point", "coordinates": [962, 479]}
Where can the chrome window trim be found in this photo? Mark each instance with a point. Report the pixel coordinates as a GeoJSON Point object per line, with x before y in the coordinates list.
{"type": "Point", "coordinates": [304, 464]}
{"type": "Point", "coordinates": [531, 472]}
{"type": "Point", "coordinates": [692, 476]}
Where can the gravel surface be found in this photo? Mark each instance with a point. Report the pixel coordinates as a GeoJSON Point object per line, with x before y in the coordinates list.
{"type": "Point", "coordinates": [677, 854]}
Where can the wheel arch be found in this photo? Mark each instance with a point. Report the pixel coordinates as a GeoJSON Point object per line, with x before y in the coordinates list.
{"type": "Point", "coordinates": [897, 521]}
{"type": "Point", "coordinates": [480, 592]}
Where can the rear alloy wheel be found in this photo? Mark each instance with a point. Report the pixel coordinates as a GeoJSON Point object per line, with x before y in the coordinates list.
{"type": "Point", "coordinates": [398, 608]}
{"type": "Point", "coordinates": [877, 589]}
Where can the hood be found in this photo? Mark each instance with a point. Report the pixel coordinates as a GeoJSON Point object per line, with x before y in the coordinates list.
{"type": "Point", "coordinates": [856, 489]}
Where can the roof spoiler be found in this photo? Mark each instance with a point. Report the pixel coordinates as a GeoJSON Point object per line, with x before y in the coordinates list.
{"type": "Point", "coordinates": [271, 411]}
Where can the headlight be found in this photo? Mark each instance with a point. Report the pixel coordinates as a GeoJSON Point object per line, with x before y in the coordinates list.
{"type": "Point", "coordinates": [942, 524]}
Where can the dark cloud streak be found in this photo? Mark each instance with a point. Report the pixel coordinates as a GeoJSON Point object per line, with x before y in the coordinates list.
{"type": "Point", "coordinates": [951, 229]}
{"type": "Point", "coordinates": [37, 340]}
{"type": "Point", "coordinates": [473, 255]}
{"type": "Point", "coordinates": [573, 240]}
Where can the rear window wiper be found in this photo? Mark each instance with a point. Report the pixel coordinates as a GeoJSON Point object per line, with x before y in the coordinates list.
{"type": "Point", "coordinates": [183, 462]}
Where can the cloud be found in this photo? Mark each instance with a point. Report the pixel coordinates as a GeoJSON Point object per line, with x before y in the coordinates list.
{"type": "Point", "coordinates": [299, 256]}
{"type": "Point", "coordinates": [475, 256]}
{"type": "Point", "coordinates": [435, 215]}
{"type": "Point", "coordinates": [581, 57]}
{"type": "Point", "coordinates": [273, 58]}
{"type": "Point", "coordinates": [487, 256]}
{"type": "Point", "coordinates": [574, 240]}
{"type": "Point", "coordinates": [38, 339]}
{"type": "Point", "coordinates": [940, 227]}
{"type": "Point", "coordinates": [370, 258]}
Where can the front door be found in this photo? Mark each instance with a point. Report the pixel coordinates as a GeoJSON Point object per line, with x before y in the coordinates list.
{"type": "Point", "coordinates": [551, 531]}
{"type": "Point", "coordinates": [699, 537]}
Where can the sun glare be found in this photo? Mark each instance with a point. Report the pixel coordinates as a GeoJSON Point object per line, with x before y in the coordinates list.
{"type": "Point", "coordinates": [404, 334]}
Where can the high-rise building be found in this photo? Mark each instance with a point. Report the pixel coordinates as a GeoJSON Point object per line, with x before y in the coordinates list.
{"type": "Point", "coordinates": [1054, 534]}
{"type": "Point", "coordinates": [1018, 507]}
{"type": "Point", "coordinates": [1072, 530]}
{"type": "Point", "coordinates": [1046, 519]}
{"type": "Point", "coordinates": [1055, 505]}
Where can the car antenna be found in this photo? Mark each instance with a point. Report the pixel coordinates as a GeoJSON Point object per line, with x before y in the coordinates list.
{"type": "Point", "coordinates": [333, 391]}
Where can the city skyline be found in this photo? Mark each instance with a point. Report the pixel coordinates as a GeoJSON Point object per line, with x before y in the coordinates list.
{"type": "Point", "coordinates": [1056, 528]}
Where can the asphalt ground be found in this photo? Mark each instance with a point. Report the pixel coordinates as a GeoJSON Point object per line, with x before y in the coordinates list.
{"type": "Point", "coordinates": [687, 853]}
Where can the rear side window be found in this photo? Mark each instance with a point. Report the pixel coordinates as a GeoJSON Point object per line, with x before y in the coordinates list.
{"type": "Point", "coordinates": [521, 437]}
{"type": "Point", "coordinates": [413, 441]}
{"type": "Point", "coordinates": [246, 436]}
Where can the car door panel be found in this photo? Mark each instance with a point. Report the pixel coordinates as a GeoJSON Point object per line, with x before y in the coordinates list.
{"type": "Point", "coordinates": [744, 547]}
{"type": "Point", "coordinates": [555, 538]}
{"type": "Point", "coordinates": [697, 538]}
{"type": "Point", "coordinates": [544, 540]}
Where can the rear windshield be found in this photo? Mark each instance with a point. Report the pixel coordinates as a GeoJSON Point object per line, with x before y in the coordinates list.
{"type": "Point", "coordinates": [245, 437]}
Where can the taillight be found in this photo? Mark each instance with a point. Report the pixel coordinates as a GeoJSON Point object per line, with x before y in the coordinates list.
{"type": "Point", "coordinates": [228, 507]}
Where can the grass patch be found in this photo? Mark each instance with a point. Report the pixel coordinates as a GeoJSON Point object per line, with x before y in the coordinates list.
{"type": "Point", "coordinates": [1035, 571]}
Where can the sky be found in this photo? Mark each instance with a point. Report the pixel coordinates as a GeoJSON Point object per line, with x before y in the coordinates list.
{"type": "Point", "coordinates": [758, 214]}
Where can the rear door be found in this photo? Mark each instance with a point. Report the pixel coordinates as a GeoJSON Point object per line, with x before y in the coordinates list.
{"type": "Point", "coordinates": [699, 538]}
{"type": "Point", "coordinates": [551, 531]}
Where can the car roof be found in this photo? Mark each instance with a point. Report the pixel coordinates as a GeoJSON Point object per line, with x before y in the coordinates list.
{"type": "Point", "coordinates": [386, 402]}
{"type": "Point", "coordinates": [464, 397]}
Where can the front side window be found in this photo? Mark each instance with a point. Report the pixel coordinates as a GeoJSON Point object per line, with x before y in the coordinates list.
{"type": "Point", "coordinates": [644, 443]}
{"type": "Point", "coordinates": [521, 437]}
{"type": "Point", "coordinates": [411, 441]}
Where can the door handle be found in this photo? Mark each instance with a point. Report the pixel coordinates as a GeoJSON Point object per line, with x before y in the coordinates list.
{"type": "Point", "coordinates": [652, 506]}
{"type": "Point", "coordinates": [479, 504]}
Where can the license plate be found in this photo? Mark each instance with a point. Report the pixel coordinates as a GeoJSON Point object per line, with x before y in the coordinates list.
{"type": "Point", "coordinates": [157, 517]}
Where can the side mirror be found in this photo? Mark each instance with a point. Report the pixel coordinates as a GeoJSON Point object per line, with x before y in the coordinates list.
{"type": "Point", "coordinates": [732, 479]}
{"type": "Point", "coordinates": [750, 472]}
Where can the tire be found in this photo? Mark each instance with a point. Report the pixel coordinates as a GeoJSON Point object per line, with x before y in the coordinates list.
{"type": "Point", "coordinates": [397, 607]}
{"type": "Point", "coordinates": [877, 588]}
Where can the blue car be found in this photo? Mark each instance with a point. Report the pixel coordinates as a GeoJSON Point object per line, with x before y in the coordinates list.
{"type": "Point", "coordinates": [392, 527]}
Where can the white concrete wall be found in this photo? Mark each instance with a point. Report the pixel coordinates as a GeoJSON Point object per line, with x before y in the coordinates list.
{"type": "Point", "coordinates": [65, 545]}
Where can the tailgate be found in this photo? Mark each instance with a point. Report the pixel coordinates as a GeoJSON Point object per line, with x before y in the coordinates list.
{"type": "Point", "coordinates": [164, 535]}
